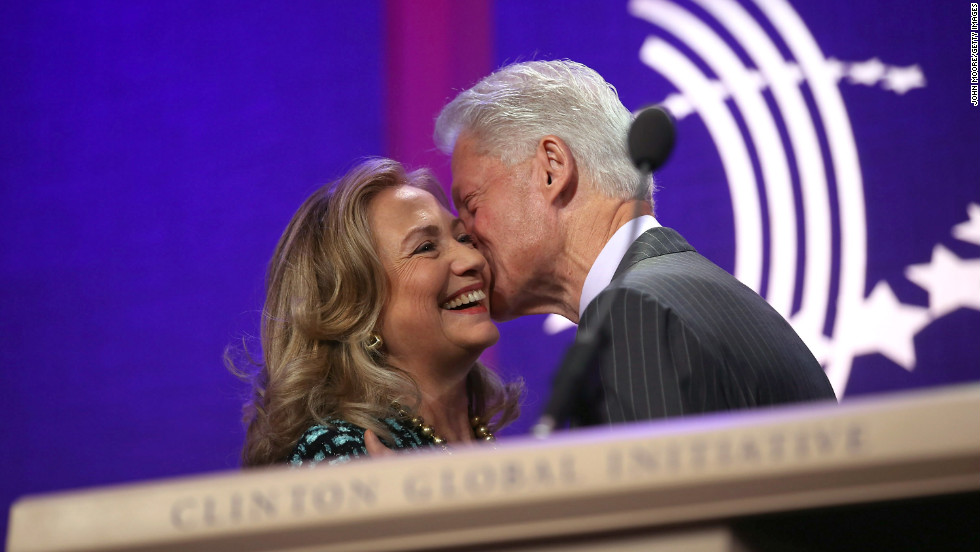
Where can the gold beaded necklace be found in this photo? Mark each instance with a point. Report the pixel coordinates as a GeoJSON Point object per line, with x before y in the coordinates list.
{"type": "Point", "coordinates": [480, 429]}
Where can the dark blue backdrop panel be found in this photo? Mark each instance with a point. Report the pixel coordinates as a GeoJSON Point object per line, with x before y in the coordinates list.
{"type": "Point", "coordinates": [150, 155]}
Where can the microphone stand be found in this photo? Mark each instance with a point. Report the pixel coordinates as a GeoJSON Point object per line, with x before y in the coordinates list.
{"type": "Point", "coordinates": [570, 379]}
{"type": "Point", "coordinates": [650, 141]}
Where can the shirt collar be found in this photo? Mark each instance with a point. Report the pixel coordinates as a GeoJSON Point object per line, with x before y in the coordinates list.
{"type": "Point", "coordinates": [601, 273]}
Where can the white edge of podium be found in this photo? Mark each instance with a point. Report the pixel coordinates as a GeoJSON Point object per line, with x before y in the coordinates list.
{"type": "Point", "coordinates": [645, 475]}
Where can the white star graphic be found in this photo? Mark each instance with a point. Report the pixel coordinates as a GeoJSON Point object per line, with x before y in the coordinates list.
{"type": "Point", "coordinates": [835, 68]}
{"type": "Point", "coordinates": [969, 231]}
{"type": "Point", "coordinates": [678, 105]}
{"type": "Point", "coordinates": [952, 282]}
{"type": "Point", "coordinates": [819, 344]}
{"type": "Point", "coordinates": [758, 81]}
{"type": "Point", "coordinates": [866, 72]}
{"type": "Point", "coordinates": [902, 79]}
{"type": "Point", "coordinates": [719, 89]}
{"type": "Point", "coordinates": [884, 325]}
{"type": "Point", "coordinates": [556, 323]}
{"type": "Point", "coordinates": [794, 72]}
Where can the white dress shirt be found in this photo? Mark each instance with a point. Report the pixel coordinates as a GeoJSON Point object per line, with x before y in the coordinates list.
{"type": "Point", "coordinates": [601, 273]}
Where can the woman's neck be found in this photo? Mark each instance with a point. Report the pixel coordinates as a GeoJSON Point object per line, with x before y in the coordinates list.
{"type": "Point", "coordinates": [445, 397]}
{"type": "Point", "coordinates": [445, 407]}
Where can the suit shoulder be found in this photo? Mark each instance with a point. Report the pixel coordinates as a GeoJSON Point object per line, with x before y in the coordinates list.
{"type": "Point", "coordinates": [674, 275]}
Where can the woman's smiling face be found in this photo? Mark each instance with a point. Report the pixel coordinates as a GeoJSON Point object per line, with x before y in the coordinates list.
{"type": "Point", "coordinates": [436, 312]}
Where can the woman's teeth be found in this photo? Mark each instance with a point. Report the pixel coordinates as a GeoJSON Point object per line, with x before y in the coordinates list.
{"type": "Point", "coordinates": [466, 298]}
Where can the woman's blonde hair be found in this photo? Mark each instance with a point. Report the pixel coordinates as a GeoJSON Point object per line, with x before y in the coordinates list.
{"type": "Point", "coordinates": [325, 291]}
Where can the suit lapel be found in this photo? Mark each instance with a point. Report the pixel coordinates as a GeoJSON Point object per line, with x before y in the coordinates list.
{"type": "Point", "coordinates": [653, 243]}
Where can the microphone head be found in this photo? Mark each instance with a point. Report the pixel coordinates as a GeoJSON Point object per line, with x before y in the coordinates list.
{"type": "Point", "coordinates": [651, 138]}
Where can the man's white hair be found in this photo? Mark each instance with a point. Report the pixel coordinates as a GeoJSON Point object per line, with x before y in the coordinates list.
{"type": "Point", "coordinates": [510, 110]}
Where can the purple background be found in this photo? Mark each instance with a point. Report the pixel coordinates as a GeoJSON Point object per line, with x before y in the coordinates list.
{"type": "Point", "coordinates": [151, 153]}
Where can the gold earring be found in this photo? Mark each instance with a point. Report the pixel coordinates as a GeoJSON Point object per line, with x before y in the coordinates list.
{"type": "Point", "coordinates": [374, 342]}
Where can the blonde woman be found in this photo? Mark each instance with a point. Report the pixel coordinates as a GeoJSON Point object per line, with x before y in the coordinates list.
{"type": "Point", "coordinates": [375, 316]}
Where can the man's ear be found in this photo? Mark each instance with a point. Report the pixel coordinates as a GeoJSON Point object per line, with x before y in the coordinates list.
{"type": "Point", "coordinates": [558, 174]}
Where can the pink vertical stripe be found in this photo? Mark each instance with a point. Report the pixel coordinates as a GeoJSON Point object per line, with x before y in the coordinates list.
{"type": "Point", "coordinates": [434, 49]}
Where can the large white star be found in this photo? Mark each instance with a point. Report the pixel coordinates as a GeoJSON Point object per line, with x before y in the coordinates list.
{"type": "Point", "coordinates": [902, 79]}
{"type": "Point", "coordinates": [814, 339]}
{"type": "Point", "coordinates": [952, 282]}
{"type": "Point", "coordinates": [969, 231]}
{"type": "Point", "coordinates": [866, 72]}
{"type": "Point", "coordinates": [884, 325]}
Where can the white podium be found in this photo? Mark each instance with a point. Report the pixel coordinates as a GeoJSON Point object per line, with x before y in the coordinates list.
{"type": "Point", "coordinates": [812, 477]}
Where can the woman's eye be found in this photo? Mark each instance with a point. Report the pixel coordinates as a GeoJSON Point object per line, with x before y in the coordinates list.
{"type": "Point", "coordinates": [424, 248]}
{"type": "Point", "coordinates": [465, 238]}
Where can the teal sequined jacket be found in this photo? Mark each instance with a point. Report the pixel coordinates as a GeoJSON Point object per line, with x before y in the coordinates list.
{"type": "Point", "coordinates": [340, 441]}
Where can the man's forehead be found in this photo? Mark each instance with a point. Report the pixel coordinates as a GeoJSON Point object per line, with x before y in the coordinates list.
{"type": "Point", "coordinates": [456, 190]}
{"type": "Point", "coordinates": [464, 150]}
{"type": "Point", "coordinates": [465, 155]}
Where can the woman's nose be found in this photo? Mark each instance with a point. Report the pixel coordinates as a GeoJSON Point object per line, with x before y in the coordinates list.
{"type": "Point", "coordinates": [466, 258]}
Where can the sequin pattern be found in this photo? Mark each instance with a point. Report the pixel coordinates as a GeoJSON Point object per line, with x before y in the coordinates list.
{"type": "Point", "coordinates": [338, 442]}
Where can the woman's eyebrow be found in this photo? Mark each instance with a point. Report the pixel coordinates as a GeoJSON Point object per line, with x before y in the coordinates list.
{"type": "Point", "coordinates": [428, 230]}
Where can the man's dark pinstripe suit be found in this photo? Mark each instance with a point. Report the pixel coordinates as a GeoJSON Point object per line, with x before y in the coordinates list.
{"type": "Point", "coordinates": [687, 337]}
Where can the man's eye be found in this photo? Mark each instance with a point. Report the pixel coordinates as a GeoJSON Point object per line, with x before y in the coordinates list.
{"type": "Point", "coordinates": [424, 248]}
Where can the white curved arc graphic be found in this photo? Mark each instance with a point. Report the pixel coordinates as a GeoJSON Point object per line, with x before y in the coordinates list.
{"type": "Point", "coordinates": [809, 320]}
{"type": "Point", "coordinates": [850, 191]}
{"type": "Point", "coordinates": [694, 85]}
{"type": "Point", "coordinates": [762, 129]}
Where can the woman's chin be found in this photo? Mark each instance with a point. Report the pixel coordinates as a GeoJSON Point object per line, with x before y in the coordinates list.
{"type": "Point", "coordinates": [479, 342]}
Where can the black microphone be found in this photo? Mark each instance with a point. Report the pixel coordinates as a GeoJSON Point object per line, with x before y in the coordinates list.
{"type": "Point", "coordinates": [650, 141]}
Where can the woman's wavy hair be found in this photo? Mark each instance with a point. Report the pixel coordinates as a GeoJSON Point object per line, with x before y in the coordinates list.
{"type": "Point", "coordinates": [325, 291]}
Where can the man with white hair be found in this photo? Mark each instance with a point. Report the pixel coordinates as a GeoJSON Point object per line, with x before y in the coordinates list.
{"type": "Point", "coordinates": [543, 183]}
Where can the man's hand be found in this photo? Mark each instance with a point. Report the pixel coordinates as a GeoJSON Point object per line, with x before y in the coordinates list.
{"type": "Point", "coordinates": [375, 447]}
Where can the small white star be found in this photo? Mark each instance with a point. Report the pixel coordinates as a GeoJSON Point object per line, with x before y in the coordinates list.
{"type": "Point", "coordinates": [835, 68]}
{"type": "Point", "coordinates": [952, 282]}
{"type": "Point", "coordinates": [969, 231]}
{"type": "Point", "coordinates": [719, 89]}
{"type": "Point", "coordinates": [678, 105]}
{"type": "Point", "coordinates": [556, 323]}
{"type": "Point", "coordinates": [758, 81]}
{"type": "Point", "coordinates": [866, 72]}
{"type": "Point", "coordinates": [884, 325]}
{"type": "Point", "coordinates": [794, 72]}
{"type": "Point", "coordinates": [902, 79]}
